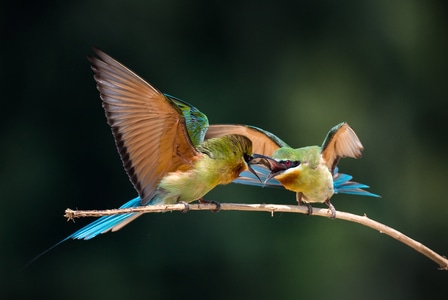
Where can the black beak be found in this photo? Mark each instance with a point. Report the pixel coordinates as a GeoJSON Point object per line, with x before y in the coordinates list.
{"type": "Point", "coordinates": [275, 166]}
{"type": "Point", "coordinates": [253, 171]}
{"type": "Point", "coordinates": [249, 161]}
{"type": "Point", "coordinates": [269, 162]}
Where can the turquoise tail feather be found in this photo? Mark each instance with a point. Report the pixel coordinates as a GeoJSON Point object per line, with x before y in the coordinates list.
{"type": "Point", "coordinates": [343, 185]}
{"type": "Point", "coordinates": [105, 223]}
{"type": "Point", "coordinates": [95, 228]}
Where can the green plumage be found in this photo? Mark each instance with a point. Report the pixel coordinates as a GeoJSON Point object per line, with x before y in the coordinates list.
{"type": "Point", "coordinates": [222, 160]}
{"type": "Point", "coordinates": [197, 122]}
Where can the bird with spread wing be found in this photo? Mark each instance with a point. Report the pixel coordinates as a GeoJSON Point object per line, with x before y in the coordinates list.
{"type": "Point", "coordinates": [310, 171]}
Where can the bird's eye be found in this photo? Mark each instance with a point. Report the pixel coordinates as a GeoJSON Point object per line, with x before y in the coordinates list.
{"type": "Point", "coordinates": [247, 157]}
{"type": "Point", "coordinates": [286, 163]}
{"type": "Point", "coordinates": [290, 163]}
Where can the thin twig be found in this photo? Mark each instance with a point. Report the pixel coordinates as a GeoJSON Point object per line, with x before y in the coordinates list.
{"type": "Point", "coordinates": [271, 208]}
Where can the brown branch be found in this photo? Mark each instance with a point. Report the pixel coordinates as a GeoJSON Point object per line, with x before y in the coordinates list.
{"type": "Point", "coordinates": [271, 208]}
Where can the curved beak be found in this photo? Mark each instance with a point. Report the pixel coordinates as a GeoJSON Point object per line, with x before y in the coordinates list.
{"type": "Point", "coordinates": [268, 162]}
{"type": "Point", "coordinates": [274, 165]}
{"type": "Point", "coordinates": [249, 161]}
{"type": "Point", "coordinates": [253, 171]}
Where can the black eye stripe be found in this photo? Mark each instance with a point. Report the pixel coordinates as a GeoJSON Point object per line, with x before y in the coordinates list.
{"type": "Point", "coordinates": [290, 163]}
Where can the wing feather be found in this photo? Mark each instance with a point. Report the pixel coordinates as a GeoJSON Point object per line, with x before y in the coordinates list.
{"type": "Point", "coordinates": [340, 142]}
{"type": "Point", "coordinates": [263, 142]}
{"type": "Point", "coordinates": [149, 129]}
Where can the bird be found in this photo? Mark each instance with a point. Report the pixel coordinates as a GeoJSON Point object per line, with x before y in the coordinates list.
{"type": "Point", "coordinates": [310, 171]}
{"type": "Point", "coordinates": [160, 140]}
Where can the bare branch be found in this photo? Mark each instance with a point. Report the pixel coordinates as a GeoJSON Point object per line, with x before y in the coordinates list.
{"type": "Point", "coordinates": [271, 208]}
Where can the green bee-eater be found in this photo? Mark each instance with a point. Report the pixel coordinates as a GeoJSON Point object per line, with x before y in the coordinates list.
{"type": "Point", "coordinates": [161, 143]}
{"type": "Point", "coordinates": [311, 171]}
{"type": "Point", "coordinates": [160, 140]}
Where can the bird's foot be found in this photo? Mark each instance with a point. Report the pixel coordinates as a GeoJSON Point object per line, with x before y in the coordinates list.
{"type": "Point", "coordinates": [331, 208]}
{"type": "Point", "coordinates": [186, 207]}
{"type": "Point", "coordinates": [217, 204]}
{"type": "Point", "coordinates": [310, 208]}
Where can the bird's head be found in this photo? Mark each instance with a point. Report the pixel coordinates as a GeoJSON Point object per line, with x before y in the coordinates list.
{"type": "Point", "coordinates": [243, 147]}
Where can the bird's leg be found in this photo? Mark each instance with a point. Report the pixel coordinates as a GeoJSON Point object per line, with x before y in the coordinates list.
{"type": "Point", "coordinates": [301, 203]}
{"type": "Point", "coordinates": [216, 203]}
{"type": "Point", "coordinates": [186, 208]}
{"type": "Point", "coordinates": [331, 208]}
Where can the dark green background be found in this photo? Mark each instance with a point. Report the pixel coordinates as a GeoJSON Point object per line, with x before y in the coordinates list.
{"type": "Point", "coordinates": [293, 68]}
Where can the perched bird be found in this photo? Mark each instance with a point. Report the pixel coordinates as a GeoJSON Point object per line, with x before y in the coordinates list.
{"type": "Point", "coordinates": [311, 171]}
{"type": "Point", "coordinates": [160, 140]}
{"type": "Point", "coordinates": [166, 160]}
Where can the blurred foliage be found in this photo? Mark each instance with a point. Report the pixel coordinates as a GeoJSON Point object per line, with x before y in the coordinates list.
{"type": "Point", "coordinates": [294, 68]}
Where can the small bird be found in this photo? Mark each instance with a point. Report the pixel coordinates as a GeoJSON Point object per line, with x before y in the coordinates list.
{"type": "Point", "coordinates": [311, 171]}
{"type": "Point", "coordinates": [160, 140]}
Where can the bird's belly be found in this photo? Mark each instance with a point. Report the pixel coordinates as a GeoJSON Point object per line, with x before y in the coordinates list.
{"type": "Point", "coordinates": [317, 187]}
{"type": "Point", "coordinates": [318, 195]}
{"type": "Point", "coordinates": [182, 187]}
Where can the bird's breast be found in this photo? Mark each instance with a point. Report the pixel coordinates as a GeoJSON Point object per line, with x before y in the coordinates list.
{"type": "Point", "coordinates": [316, 184]}
{"type": "Point", "coordinates": [290, 179]}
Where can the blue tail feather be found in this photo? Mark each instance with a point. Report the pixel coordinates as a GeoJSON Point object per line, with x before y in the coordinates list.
{"type": "Point", "coordinates": [95, 228]}
{"type": "Point", "coordinates": [343, 185]}
{"type": "Point", "coordinates": [105, 223]}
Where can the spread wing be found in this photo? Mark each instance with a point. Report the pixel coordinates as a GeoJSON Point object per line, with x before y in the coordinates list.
{"type": "Point", "coordinates": [340, 142]}
{"type": "Point", "coordinates": [149, 129]}
{"type": "Point", "coordinates": [263, 142]}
